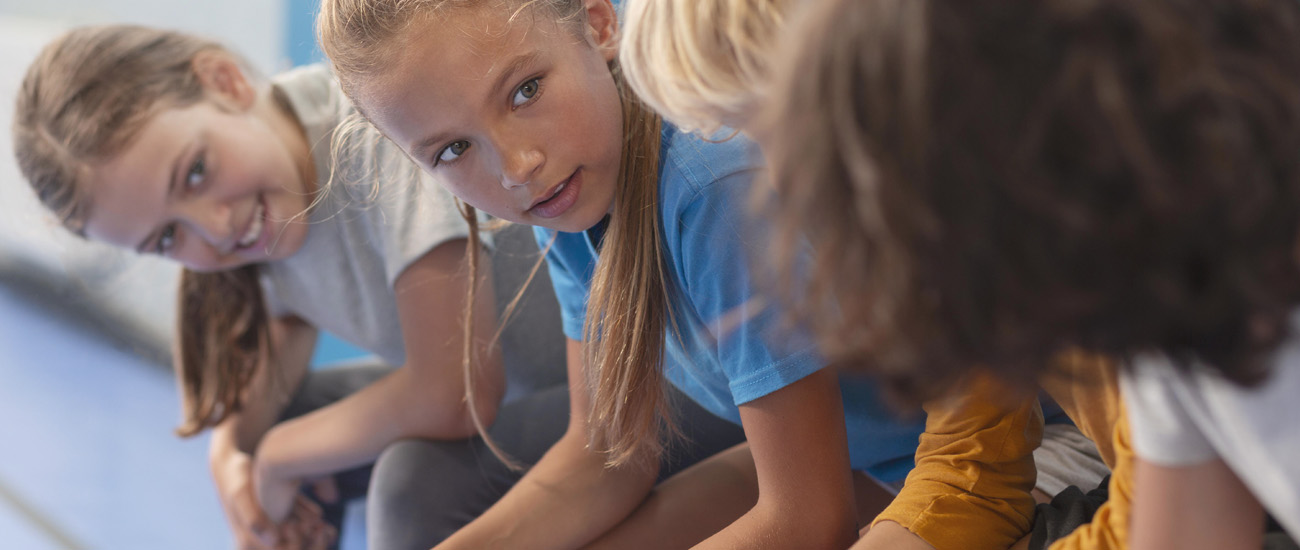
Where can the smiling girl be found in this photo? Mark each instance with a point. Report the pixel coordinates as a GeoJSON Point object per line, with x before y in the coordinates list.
{"type": "Point", "coordinates": [519, 108]}
{"type": "Point", "coordinates": [162, 143]}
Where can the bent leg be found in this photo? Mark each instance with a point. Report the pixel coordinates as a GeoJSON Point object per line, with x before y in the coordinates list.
{"type": "Point", "coordinates": [422, 491]}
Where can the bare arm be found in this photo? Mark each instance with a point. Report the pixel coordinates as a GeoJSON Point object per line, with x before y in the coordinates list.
{"type": "Point", "coordinates": [1200, 507]}
{"type": "Point", "coordinates": [424, 398]}
{"type": "Point", "coordinates": [805, 488]}
{"type": "Point", "coordinates": [231, 447]}
{"type": "Point", "coordinates": [569, 497]}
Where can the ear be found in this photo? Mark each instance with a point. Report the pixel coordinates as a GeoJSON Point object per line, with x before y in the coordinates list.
{"type": "Point", "coordinates": [220, 74]}
{"type": "Point", "coordinates": [602, 23]}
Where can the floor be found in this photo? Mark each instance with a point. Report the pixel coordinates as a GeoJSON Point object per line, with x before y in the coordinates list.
{"type": "Point", "coordinates": [87, 457]}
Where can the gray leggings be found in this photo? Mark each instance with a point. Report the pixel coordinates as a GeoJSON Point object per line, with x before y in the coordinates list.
{"type": "Point", "coordinates": [420, 491]}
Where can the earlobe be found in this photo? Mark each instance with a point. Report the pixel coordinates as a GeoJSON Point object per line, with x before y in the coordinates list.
{"type": "Point", "coordinates": [221, 75]}
{"type": "Point", "coordinates": [602, 22]}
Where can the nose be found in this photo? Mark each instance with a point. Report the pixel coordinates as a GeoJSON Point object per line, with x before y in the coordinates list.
{"type": "Point", "coordinates": [211, 219]}
{"type": "Point", "coordinates": [520, 164]}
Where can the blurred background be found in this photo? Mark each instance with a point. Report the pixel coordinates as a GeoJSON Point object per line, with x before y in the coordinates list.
{"type": "Point", "coordinates": [87, 399]}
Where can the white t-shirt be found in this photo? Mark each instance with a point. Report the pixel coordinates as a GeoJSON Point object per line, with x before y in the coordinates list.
{"type": "Point", "coordinates": [378, 214]}
{"type": "Point", "coordinates": [1185, 418]}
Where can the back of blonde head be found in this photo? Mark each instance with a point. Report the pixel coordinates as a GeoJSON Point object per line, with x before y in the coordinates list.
{"type": "Point", "coordinates": [700, 63]}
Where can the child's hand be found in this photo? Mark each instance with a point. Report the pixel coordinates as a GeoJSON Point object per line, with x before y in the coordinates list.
{"type": "Point", "coordinates": [276, 496]}
{"type": "Point", "coordinates": [305, 529]}
{"type": "Point", "coordinates": [251, 527]}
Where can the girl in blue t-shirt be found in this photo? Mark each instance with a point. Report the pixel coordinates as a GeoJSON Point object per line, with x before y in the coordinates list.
{"type": "Point", "coordinates": [520, 108]}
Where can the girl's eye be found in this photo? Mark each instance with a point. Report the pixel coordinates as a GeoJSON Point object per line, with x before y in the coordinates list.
{"type": "Point", "coordinates": [197, 172]}
{"type": "Point", "coordinates": [452, 152]}
{"type": "Point", "coordinates": [526, 92]}
{"type": "Point", "coordinates": [166, 240]}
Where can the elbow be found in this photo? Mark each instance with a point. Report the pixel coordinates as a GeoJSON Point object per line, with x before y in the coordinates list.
{"type": "Point", "coordinates": [451, 415]}
{"type": "Point", "coordinates": [816, 526]}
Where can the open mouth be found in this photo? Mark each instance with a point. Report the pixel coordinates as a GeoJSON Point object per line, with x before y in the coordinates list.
{"type": "Point", "coordinates": [254, 231]}
{"type": "Point", "coordinates": [560, 198]}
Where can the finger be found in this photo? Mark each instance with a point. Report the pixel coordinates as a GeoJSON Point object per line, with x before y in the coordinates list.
{"type": "Point", "coordinates": [326, 489]}
{"type": "Point", "coordinates": [309, 506]}
{"type": "Point", "coordinates": [290, 539]}
{"type": "Point", "coordinates": [252, 518]}
{"type": "Point", "coordinates": [307, 511]}
{"type": "Point", "coordinates": [322, 539]}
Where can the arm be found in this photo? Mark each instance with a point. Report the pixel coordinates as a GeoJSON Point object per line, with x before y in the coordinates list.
{"type": "Point", "coordinates": [974, 473]}
{"type": "Point", "coordinates": [569, 497]}
{"type": "Point", "coordinates": [424, 398]}
{"type": "Point", "coordinates": [805, 488]}
{"type": "Point", "coordinates": [231, 447]}
{"type": "Point", "coordinates": [1198, 507]}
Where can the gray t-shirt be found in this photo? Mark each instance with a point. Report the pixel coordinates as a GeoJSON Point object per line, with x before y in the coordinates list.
{"type": "Point", "coordinates": [377, 214]}
{"type": "Point", "coordinates": [1184, 418]}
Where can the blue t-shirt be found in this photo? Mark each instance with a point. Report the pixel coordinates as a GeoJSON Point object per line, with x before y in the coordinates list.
{"type": "Point", "coordinates": [729, 349]}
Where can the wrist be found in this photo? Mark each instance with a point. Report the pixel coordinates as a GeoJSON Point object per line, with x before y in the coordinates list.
{"type": "Point", "coordinates": [269, 460]}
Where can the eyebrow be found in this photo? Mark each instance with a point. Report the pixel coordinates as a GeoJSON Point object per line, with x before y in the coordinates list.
{"type": "Point", "coordinates": [519, 62]}
{"type": "Point", "coordinates": [171, 188]}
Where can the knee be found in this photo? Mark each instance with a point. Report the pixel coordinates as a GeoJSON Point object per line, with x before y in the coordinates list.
{"type": "Point", "coordinates": [421, 492]}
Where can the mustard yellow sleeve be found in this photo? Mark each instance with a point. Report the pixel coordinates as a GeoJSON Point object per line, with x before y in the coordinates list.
{"type": "Point", "coordinates": [974, 471]}
{"type": "Point", "coordinates": [1109, 527]}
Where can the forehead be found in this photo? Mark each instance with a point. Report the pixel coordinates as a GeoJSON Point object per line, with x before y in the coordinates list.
{"type": "Point", "coordinates": [452, 58]}
{"type": "Point", "coordinates": [127, 191]}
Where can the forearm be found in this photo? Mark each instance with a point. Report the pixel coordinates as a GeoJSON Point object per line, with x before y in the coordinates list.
{"type": "Point", "coordinates": [354, 430]}
{"type": "Point", "coordinates": [805, 484]}
{"type": "Point", "coordinates": [269, 390]}
{"type": "Point", "coordinates": [565, 501]}
{"type": "Point", "coordinates": [768, 526]}
{"type": "Point", "coordinates": [891, 536]}
{"type": "Point", "coordinates": [974, 471]}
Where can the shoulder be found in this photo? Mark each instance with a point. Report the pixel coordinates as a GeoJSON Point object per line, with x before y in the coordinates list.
{"type": "Point", "coordinates": [315, 97]}
{"type": "Point", "coordinates": [694, 169]}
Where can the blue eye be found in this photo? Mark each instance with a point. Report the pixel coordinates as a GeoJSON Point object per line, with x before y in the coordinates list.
{"type": "Point", "coordinates": [166, 240]}
{"type": "Point", "coordinates": [451, 152]}
{"type": "Point", "coordinates": [197, 172]}
{"type": "Point", "coordinates": [526, 92]}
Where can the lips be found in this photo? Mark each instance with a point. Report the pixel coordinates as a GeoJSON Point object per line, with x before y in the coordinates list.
{"type": "Point", "coordinates": [558, 199]}
{"type": "Point", "coordinates": [254, 231]}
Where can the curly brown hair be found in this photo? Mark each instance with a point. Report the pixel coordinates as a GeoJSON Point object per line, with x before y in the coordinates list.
{"type": "Point", "coordinates": [993, 182]}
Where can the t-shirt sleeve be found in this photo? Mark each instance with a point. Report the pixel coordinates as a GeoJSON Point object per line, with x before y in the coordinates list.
{"type": "Point", "coordinates": [415, 212]}
{"type": "Point", "coordinates": [719, 248]}
{"type": "Point", "coordinates": [569, 290]}
{"type": "Point", "coordinates": [1155, 395]}
{"type": "Point", "coordinates": [974, 469]}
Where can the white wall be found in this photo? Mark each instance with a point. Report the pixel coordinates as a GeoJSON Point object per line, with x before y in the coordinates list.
{"type": "Point", "coordinates": [255, 28]}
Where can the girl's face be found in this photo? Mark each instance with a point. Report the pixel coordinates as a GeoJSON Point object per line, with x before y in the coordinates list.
{"type": "Point", "coordinates": [214, 186]}
{"type": "Point", "coordinates": [520, 119]}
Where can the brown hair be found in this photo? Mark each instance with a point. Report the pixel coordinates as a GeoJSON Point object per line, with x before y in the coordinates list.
{"type": "Point", "coordinates": [83, 100]}
{"type": "Point", "coordinates": [993, 182]}
{"type": "Point", "coordinates": [626, 322]}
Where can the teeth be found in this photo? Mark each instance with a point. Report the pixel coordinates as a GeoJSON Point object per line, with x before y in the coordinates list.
{"type": "Point", "coordinates": [558, 189]}
{"type": "Point", "coordinates": [254, 229]}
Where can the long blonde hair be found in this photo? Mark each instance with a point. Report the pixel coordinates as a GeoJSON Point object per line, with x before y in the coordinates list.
{"type": "Point", "coordinates": [83, 100]}
{"type": "Point", "coordinates": [628, 309]}
{"type": "Point", "coordinates": [700, 62]}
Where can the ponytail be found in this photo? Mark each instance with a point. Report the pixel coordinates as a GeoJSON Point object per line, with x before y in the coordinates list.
{"type": "Point", "coordinates": [628, 311]}
{"type": "Point", "coordinates": [223, 335]}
